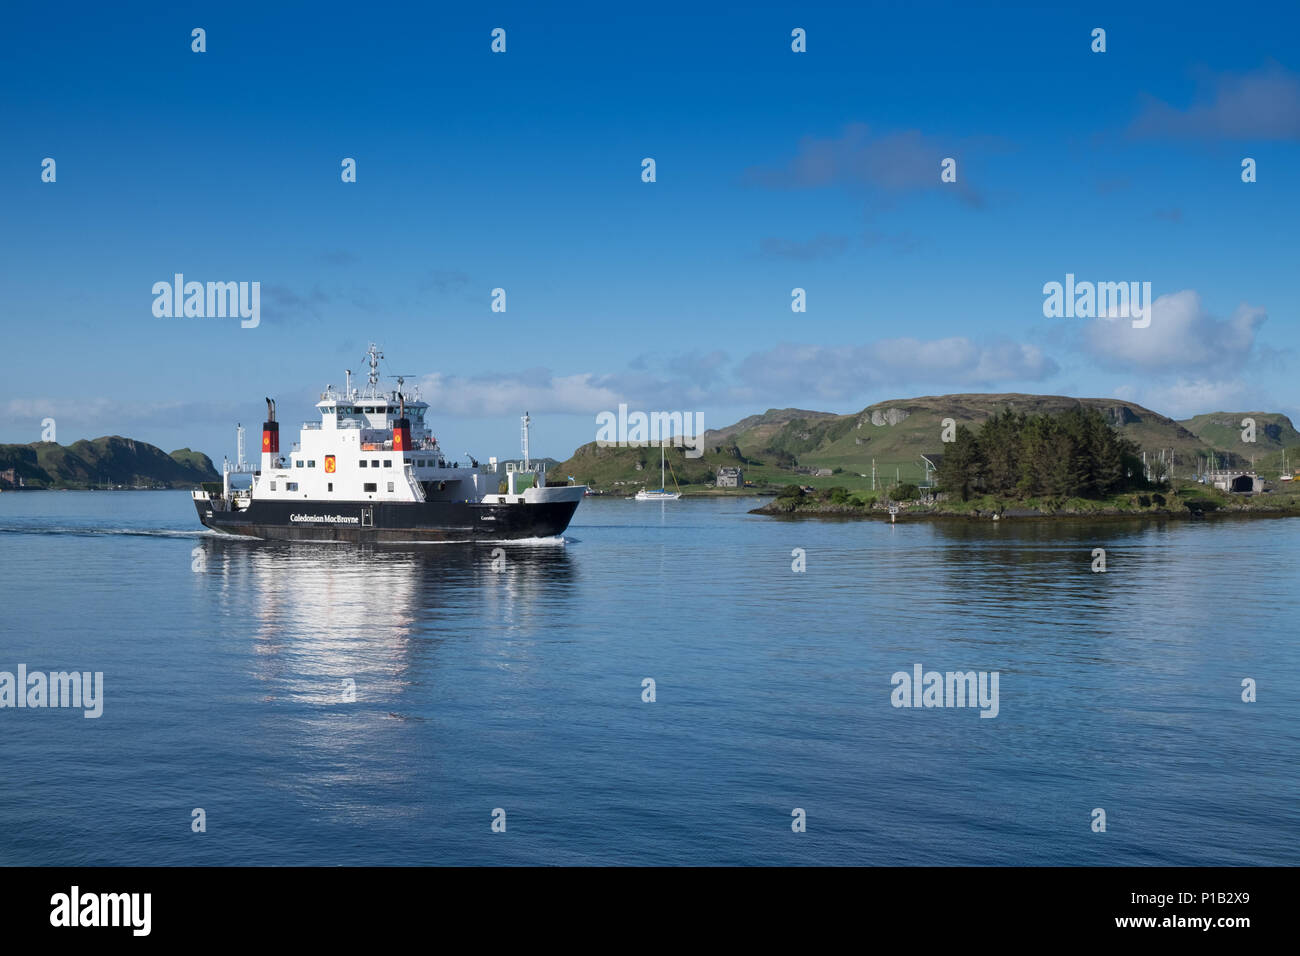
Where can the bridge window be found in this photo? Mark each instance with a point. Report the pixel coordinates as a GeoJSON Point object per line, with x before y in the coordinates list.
{"type": "Point", "coordinates": [291, 486]}
{"type": "Point", "coordinates": [388, 463]}
{"type": "Point", "coordinates": [363, 463]}
{"type": "Point", "coordinates": [368, 486]}
{"type": "Point", "coordinates": [311, 463]}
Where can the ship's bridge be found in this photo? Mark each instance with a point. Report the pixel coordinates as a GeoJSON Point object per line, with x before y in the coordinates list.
{"type": "Point", "coordinates": [353, 409]}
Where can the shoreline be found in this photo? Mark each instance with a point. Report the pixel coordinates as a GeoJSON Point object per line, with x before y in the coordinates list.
{"type": "Point", "coordinates": [843, 512]}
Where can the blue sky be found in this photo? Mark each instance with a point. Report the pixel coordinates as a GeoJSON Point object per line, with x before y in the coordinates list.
{"type": "Point", "coordinates": [522, 170]}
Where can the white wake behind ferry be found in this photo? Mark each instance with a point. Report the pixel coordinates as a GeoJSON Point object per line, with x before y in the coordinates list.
{"type": "Point", "coordinates": [372, 470]}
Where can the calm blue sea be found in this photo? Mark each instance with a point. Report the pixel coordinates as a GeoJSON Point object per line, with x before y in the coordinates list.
{"type": "Point", "coordinates": [228, 665]}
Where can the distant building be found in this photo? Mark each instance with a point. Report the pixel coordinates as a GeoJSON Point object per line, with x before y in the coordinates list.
{"type": "Point", "coordinates": [730, 478]}
{"type": "Point", "coordinates": [1239, 482]}
{"type": "Point", "coordinates": [8, 477]}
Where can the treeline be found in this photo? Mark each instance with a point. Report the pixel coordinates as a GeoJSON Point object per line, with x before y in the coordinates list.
{"type": "Point", "coordinates": [1074, 454]}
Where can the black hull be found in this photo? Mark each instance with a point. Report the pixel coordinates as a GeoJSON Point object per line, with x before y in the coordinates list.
{"type": "Point", "coordinates": [391, 522]}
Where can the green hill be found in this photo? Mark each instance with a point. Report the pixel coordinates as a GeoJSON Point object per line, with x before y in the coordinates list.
{"type": "Point", "coordinates": [1273, 432]}
{"type": "Point", "coordinates": [111, 460]}
{"type": "Point", "coordinates": [760, 427]}
{"type": "Point", "coordinates": [770, 447]}
{"type": "Point", "coordinates": [629, 469]}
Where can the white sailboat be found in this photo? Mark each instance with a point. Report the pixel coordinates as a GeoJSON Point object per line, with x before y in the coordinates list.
{"type": "Point", "coordinates": [660, 494]}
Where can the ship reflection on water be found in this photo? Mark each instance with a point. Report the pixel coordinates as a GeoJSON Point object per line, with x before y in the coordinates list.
{"type": "Point", "coordinates": [345, 642]}
{"type": "Point", "coordinates": [337, 608]}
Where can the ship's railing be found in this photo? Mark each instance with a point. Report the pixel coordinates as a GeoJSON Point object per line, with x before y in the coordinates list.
{"type": "Point", "coordinates": [341, 423]}
{"type": "Point", "coordinates": [417, 444]}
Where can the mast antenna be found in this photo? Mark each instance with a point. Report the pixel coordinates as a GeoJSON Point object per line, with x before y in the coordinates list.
{"type": "Point", "coordinates": [373, 355]}
{"type": "Point", "coordinates": [527, 421]}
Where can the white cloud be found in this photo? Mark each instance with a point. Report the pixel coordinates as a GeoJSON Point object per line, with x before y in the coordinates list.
{"type": "Point", "coordinates": [1264, 104]}
{"type": "Point", "coordinates": [1186, 397]}
{"type": "Point", "coordinates": [847, 372]}
{"type": "Point", "coordinates": [895, 162]}
{"type": "Point", "coordinates": [791, 372]}
{"type": "Point", "coordinates": [1182, 337]}
{"type": "Point", "coordinates": [533, 390]}
{"type": "Point", "coordinates": [91, 417]}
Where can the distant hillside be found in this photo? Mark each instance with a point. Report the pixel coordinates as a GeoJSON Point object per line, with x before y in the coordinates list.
{"type": "Point", "coordinates": [615, 468]}
{"type": "Point", "coordinates": [111, 460]}
{"type": "Point", "coordinates": [896, 433]}
{"type": "Point", "coordinates": [1273, 432]}
{"type": "Point", "coordinates": [763, 425]}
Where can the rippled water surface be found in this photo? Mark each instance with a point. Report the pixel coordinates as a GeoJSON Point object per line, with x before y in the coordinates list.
{"type": "Point", "coordinates": [227, 666]}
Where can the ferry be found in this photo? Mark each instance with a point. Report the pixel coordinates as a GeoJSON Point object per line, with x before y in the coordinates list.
{"type": "Point", "coordinates": [371, 470]}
